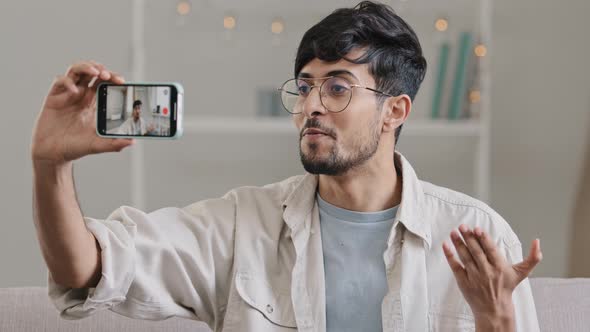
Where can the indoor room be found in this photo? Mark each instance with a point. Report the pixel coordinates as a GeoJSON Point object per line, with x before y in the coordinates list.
{"type": "Point", "coordinates": [266, 165]}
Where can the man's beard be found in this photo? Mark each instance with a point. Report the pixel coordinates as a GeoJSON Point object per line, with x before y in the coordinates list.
{"type": "Point", "coordinates": [334, 163]}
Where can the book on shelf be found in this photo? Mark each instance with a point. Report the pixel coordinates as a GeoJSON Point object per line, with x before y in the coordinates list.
{"type": "Point", "coordinates": [459, 87]}
{"type": "Point", "coordinates": [457, 74]}
{"type": "Point", "coordinates": [441, 73]}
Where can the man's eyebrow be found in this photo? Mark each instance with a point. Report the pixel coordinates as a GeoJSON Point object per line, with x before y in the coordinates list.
{"type": "Point", "coordinates": [331, 73]}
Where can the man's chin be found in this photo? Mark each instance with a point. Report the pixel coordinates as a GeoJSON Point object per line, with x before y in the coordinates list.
{"type": "Point", "coordinates": [316, 148]}
{"type": "Point", "coordinates": [315, 163]}
{"type": "Point", "coordinates": [318, 168]}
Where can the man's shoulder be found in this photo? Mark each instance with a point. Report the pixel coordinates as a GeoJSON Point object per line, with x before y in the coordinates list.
{"type": "Point", "coordinates": [277, 191]}
{"type": "Point", "coordinates": [464, 208]}
{"type": "Point", "coordinates": [452, 197]}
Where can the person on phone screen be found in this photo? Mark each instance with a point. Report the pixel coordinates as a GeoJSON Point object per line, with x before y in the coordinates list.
{"type": "Point", "coordinates": [357, 243]}
{"type": "Point", "coordinates": [135, 125]}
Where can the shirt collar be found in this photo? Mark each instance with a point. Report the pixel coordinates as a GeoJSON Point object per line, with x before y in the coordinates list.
{"type": "Point", "coordinates": [301, 199]}
{"type": "Point", "coordinates": [412, 210]}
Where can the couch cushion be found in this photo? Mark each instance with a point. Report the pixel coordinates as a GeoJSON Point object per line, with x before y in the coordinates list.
{"type": "Point", "coordinates": [562, 304]}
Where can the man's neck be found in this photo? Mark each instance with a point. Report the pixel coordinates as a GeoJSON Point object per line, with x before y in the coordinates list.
{"type": "Point", "coordinates": [373, 187]}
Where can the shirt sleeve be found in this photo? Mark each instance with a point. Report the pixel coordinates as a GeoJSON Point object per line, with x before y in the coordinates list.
{"type": "Point", "coordinates": [170, 262]}
{"type": "Point", "coordinates": [522, 297]}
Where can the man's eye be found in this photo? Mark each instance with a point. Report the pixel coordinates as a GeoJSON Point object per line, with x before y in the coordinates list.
{"type": "Point", "coordinates": [304, 89]}
{"type": "Point", "coordinates": [338, 89]}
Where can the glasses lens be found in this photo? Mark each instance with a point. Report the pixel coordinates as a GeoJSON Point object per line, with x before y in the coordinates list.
{"type": "Point", "coordinates": [292, 94]}
{"type": "Point", "coordinates": [336, 94]}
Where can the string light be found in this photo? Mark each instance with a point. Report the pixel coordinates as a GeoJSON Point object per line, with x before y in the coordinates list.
{"type": "Point", "coordinates": [277, 26]}
{"type": "Point", "coordinates": [441, 24]}
{"type": "Point", "coordinates": [474, 96]}
{"type": "Point", "coordinates": [183, 8]}
{"type": "Point", "coordinates": [229, 22]}
{"type": "Point", "coordinates": [480, 50]}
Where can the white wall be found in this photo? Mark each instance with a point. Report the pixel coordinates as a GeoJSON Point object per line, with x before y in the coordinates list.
{"type": "Point", "coordinates": [540, 102]}
{"type": "Point", "coordinates": [39, 40]}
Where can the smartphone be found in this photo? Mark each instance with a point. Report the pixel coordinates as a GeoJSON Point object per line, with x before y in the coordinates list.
{"type": "Point", "coordinates": [139, 110]}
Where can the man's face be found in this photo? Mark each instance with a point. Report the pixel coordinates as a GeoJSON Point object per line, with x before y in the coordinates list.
{"type": "Point", "coordinates": [136, 112]}
{"type": "Point", "coordinates": [350, 137]}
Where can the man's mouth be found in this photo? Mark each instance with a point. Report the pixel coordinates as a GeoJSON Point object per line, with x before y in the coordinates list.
{"type": "Point", "coordinates": [314, 132]}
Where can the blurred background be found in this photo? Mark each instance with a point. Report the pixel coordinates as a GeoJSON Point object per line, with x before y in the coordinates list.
{"type": "Point", "coordinates": [502, 115]}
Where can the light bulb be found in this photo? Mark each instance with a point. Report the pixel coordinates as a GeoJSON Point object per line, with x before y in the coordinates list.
{"type": "Point", "coordinates": [229, 22]}
{"type": "Point", "coordinates": [474, 96]}
{"type": "Point", "coordinates": [441, 24]}
{"type": "Point", "coordinates": [277, 26]}
{"type": "Point", "coordinates": [183, 8]}
{"type": "Point", "coordinates": [480, 50]}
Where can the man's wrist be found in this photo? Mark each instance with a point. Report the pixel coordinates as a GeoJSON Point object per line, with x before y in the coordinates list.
{"type": "Point", "coordinates": [500, 320]}
{"type": "Point", "coordinates": [50, 171]}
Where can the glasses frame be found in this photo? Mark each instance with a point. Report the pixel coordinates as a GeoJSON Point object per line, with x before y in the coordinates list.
{"type": "Point", "coordinates": [324, 79]}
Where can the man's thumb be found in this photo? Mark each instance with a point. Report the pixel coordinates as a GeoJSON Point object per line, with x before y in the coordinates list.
{"type": "Point", "coordinates": [115, 145]}
{"type": "Point", "coordinates": [524, 268]}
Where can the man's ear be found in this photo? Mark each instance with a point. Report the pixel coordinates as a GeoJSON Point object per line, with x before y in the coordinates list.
{"type": "Point", "coordinates": [396, 110]}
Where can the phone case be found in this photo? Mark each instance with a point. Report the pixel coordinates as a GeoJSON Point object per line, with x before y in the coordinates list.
{"type": "Point", "coordinates": [179, 111]}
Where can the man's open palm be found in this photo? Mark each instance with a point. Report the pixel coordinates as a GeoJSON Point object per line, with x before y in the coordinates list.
{"type": "Point", "coordinates": [484, 276]}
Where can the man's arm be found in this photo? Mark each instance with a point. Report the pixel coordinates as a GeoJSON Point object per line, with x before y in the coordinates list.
{"type": "Point", "coordinates": [71, 252]}
{"type": "Point", "coordinates": [65, 130]}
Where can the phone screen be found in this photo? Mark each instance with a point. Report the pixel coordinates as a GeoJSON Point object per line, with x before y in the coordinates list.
{"type": "Point", "coordinates": [137, 110]}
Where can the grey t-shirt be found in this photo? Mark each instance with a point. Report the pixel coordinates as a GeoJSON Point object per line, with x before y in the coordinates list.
{"type": "Point", "coordinates": [353, 245]}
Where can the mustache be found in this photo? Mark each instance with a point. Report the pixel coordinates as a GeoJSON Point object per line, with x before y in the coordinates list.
{"type": "Point", "coordinates": [316, 124]}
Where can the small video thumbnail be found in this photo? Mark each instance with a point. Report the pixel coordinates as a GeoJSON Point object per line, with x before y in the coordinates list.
{"type": "Point", "coordinates": [138, 110]}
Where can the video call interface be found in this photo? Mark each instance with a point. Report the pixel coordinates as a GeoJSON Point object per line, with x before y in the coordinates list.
{"type": "Point", "coordinates": [138, 110]}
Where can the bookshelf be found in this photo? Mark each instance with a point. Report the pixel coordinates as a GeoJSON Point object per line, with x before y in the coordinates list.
{"type": "Point", "coordinates": [476, 127]}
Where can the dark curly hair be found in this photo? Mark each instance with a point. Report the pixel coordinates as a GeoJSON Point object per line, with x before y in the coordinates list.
{"type": "Point", "coordinates": [392, 49]}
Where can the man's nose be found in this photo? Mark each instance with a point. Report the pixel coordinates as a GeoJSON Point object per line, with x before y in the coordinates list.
{"type": "Point", "coordinates": [312, 106]}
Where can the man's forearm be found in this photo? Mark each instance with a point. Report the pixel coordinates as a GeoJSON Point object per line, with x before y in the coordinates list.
{"type": "Point", "coordinates": [71, 252]}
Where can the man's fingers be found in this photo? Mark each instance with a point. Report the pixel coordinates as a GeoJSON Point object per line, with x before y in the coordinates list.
{"type": "Point", "coordinates": [82, 69]}
{"type": "Point", "coordinates": [92, 85]}
{"type": "Point", "coordinates": [462, 251]}
{"type": "Point", "coordinates": [63, 89]}
{"type": "Point", "coordinates": [474, 247]}
{"type": "Point", "coordinates": [524, 268]}
{"type": "Point", "coordinates": [489, 247]}
{"type": "Point", "coordinates": [106, 76]}
{"type": "Point", "coordinates": [455, 265]}
{"type": "Point", "coordinates": [91, 73]}
{"type": "Point", "coordinates": [100, 66]}
{"type": "Point", "coordinates": [117, 78]}
{"type": "Point", "coordinates": [65, 83]}
{"type": "Point", "coordinates": [113, 145]}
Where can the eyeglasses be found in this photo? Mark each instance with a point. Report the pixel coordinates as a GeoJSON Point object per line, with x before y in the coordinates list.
{"type": "Point", "coordinates": [335, 93]}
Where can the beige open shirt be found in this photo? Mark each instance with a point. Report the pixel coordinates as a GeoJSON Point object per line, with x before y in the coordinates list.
{"type": "Point", "coordinates": [252, 261]}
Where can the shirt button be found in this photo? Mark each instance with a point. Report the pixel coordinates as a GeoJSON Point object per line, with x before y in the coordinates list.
{"type": "Point", "coordinates": [269, 309]}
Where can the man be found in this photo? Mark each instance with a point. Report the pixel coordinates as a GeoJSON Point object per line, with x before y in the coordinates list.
{"type": "Point", "coordinates": [356, 244]}
{"type": "Point", "coordinates": [135, 125]}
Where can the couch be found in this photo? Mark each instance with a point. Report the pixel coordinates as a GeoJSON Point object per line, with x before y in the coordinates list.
{"type": "Point", "coordinates": [563, 305]}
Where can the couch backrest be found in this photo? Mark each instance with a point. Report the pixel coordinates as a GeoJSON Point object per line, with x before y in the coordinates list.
{"type": "Point", "coordinates": [563, 305]}
{"type": "Point", "coordinates": [29, 309]}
